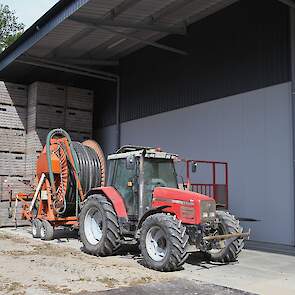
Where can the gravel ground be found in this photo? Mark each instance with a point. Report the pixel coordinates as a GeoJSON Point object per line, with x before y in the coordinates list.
{"type": "Point", "coordinates": [31, 266]}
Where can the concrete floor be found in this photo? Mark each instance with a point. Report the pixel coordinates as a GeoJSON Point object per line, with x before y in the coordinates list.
{"type": "Point", "coordinates": [256, 272]}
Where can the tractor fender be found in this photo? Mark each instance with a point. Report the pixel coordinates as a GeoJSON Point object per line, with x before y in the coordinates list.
{"type": "Point", "coordinates": [114, 197]}
{"type": "Point", "coordinates": [149, 213]}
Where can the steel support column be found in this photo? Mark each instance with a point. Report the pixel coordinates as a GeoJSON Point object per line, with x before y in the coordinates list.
{"type": "Point", "coordinates": [118, 123]}
{"type": "Point", "coordinates": [292, 42]}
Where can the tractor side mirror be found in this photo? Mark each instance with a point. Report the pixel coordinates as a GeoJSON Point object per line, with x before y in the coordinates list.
{"type": "Point", "coordinates": [130, 162]}
{"type": "Point", "coordinates": [194, 167]}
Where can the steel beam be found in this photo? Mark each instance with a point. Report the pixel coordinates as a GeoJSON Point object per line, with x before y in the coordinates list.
{"type": "Point", "coordinates": [111, 15]}
{"type": "Point", "coordinates": [292, 49]}
{"type": "Point", "coordinates": [152, 19]}
{"type": "Point", "coordinates": [45, 61]}
{"type": "Point", "coordinates": [40, 32]}
{"type": "Point", "coordinates": [123, 24]}
{"type": "Point", "coordinates": [121, 8]}
{"type": "Point", "coordinates": [118, 111]}
{"type": "Point", "coordinates": [89, 62]}
{"type": "Point", "coordinates": [66, 69]}
{"type": "Point", "coordinates": [77, 61]}
{"type": "Point", "coordinates": [288, 2]}
{"type": "Point", "coordinates": [151, 43]}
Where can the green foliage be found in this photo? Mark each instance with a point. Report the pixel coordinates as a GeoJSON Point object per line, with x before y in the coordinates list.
{"type": "Point", "coordinates": [10, 27]}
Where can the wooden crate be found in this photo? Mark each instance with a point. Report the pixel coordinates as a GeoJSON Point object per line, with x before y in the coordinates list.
{"type": "Point", "coordinates": [12, 164]}
{"type": "Point", "coordinates": [77, 120]}
{"type": "Point", "coordinates": [46, 93]}
{"type": "Point", "coordinates": [13, 94]}
{"type": "Point", "coordinates": [15, 185]}
{"type": "Point", "coordinates": [78, 98]}
{"type": "Point", "coordinates": [6, 209]}
{"type": "Point", "coordinates": [13, 117]}
{"type": "Point", "coordinates": [12, 140]}
{"type": "Point", "coordinates": [31, 161]}
{"type": "Point", "coordinates": [42, 116]}
{"type": "Point", "coordinates": [36, 140]}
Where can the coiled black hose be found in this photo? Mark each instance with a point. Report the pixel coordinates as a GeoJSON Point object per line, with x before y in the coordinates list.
{"type": "Point", "coordinates": [89, 174]}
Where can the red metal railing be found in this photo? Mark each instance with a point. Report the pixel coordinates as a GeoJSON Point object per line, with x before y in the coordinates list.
{"type": "Point", "coordinates": [217, 191]}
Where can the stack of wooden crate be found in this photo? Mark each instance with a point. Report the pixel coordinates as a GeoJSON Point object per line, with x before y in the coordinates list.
{"type": "Point", "coordinates": [13, 120]}
{"type": "Point", "coordinates": [27, 114]}
{"type": "Point", "coordinates": [54, 106]}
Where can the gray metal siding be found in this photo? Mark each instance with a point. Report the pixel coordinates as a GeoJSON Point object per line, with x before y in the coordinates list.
{"type": "Point", "coordinates": [241, 48]}
{"type": "Point", "coordinates": [252, 131]}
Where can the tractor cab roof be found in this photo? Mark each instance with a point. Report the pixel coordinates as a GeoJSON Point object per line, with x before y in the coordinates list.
{"type": "Point", "coordinates": [137, 151]}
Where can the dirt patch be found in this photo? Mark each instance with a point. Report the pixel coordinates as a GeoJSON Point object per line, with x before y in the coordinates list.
{"type": "Point", "coordinates": [54, 289]}
{"type": "Point", "coordinates": [16, 239]}
{"type": "Point", "coordinates": [108, 282]}
{"type": "Point", "coordinates": [58, 268]}
{"type": "Point", "coordinates": [140, 281]}
{"type": "Point", "coordinates": [14, 288]}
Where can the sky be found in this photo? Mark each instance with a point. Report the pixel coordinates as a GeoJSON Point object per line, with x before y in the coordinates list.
{"type": "Point", "coordinates": [28, 11]}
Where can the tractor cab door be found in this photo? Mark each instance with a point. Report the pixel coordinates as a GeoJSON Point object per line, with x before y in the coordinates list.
{"type": "Point", "coordinates": [125, 181]}
{"type": "Point", "coordinates": [157, 173]}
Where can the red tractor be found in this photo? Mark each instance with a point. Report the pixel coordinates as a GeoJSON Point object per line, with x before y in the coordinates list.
{"type": "Point", "coordinates": [142, 203]}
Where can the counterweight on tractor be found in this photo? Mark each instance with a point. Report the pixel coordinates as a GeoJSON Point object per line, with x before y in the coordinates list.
{"type": "Point", "coordinates": [142, 203]}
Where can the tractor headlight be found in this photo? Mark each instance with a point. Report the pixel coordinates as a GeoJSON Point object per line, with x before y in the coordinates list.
{"type": "Point", "coordinates": [208, 210]}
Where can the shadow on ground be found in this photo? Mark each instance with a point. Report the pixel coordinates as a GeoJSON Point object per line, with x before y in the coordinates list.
{"type": "Point", "coordinates": [177, 287]}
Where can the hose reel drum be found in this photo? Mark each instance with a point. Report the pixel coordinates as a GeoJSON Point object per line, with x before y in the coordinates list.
{"type": "Point", "coordinates": [72, 169]}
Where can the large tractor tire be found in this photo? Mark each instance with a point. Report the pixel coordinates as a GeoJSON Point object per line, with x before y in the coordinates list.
{"type": "Point", "coordinates": [99, 227]}
{"type": "Point", "coordinates": [163, 242]}
{"type": "Point", "coordinates": [227, 225]}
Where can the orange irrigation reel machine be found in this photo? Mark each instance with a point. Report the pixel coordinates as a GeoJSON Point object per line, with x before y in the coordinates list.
{"type": "Point", "coordinates": [65, 171]}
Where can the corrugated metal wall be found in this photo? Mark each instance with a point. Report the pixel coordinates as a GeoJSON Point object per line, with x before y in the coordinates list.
{"type": "Point", "coordinates": [241, 48]}
{"type": "Point", "coordinates": [251, 131]}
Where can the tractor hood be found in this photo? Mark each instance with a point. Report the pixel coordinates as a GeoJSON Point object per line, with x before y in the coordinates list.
{"type": "Point", "coordinates": [178, 194]}
{"type": "Point", "coordinates": [186, 205]}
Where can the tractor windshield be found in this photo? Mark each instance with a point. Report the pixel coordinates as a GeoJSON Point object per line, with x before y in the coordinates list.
{"type": "Point", "coordinates": [158, 172]}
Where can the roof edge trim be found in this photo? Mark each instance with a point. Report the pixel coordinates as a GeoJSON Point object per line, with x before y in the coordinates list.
{"type": "Point", "coordinates": [58, 13]}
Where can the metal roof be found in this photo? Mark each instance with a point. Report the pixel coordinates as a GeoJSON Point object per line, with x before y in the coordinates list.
{"type": "Point", "coordinates": [96, 33]}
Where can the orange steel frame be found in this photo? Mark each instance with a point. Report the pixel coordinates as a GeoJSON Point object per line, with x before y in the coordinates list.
{"type": "Point", "coordinates": [46, 208]}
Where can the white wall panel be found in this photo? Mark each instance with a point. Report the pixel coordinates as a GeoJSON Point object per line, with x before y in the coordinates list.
{"type": "Point", "coordinates": [252, 131]}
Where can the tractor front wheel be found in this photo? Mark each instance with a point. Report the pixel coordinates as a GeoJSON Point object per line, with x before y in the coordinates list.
{"type": "Point", "coordinates": [232, 248]}
{"type": "Point", "coordinates": [99, 227]}
{"type": "Point", "coordinates": [163, 242]}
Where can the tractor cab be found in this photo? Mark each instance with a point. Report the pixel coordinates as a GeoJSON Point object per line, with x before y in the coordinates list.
{"type": "Point", "coordinates": [136, 171]}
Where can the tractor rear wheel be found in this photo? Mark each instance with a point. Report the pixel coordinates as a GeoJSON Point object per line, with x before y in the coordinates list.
{"type": "Point", "coordinates": [99, 227]}
{"type": "Point", "coordinates": [36, 228]}
{"type": "Point", "coordinates": [163, 242]}
{"type": "Point", "coordinates": [227, 225]}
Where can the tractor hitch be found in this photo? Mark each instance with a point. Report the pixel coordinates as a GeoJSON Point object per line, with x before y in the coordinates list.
{"type": "Point", "coordinates": [227, 236]}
